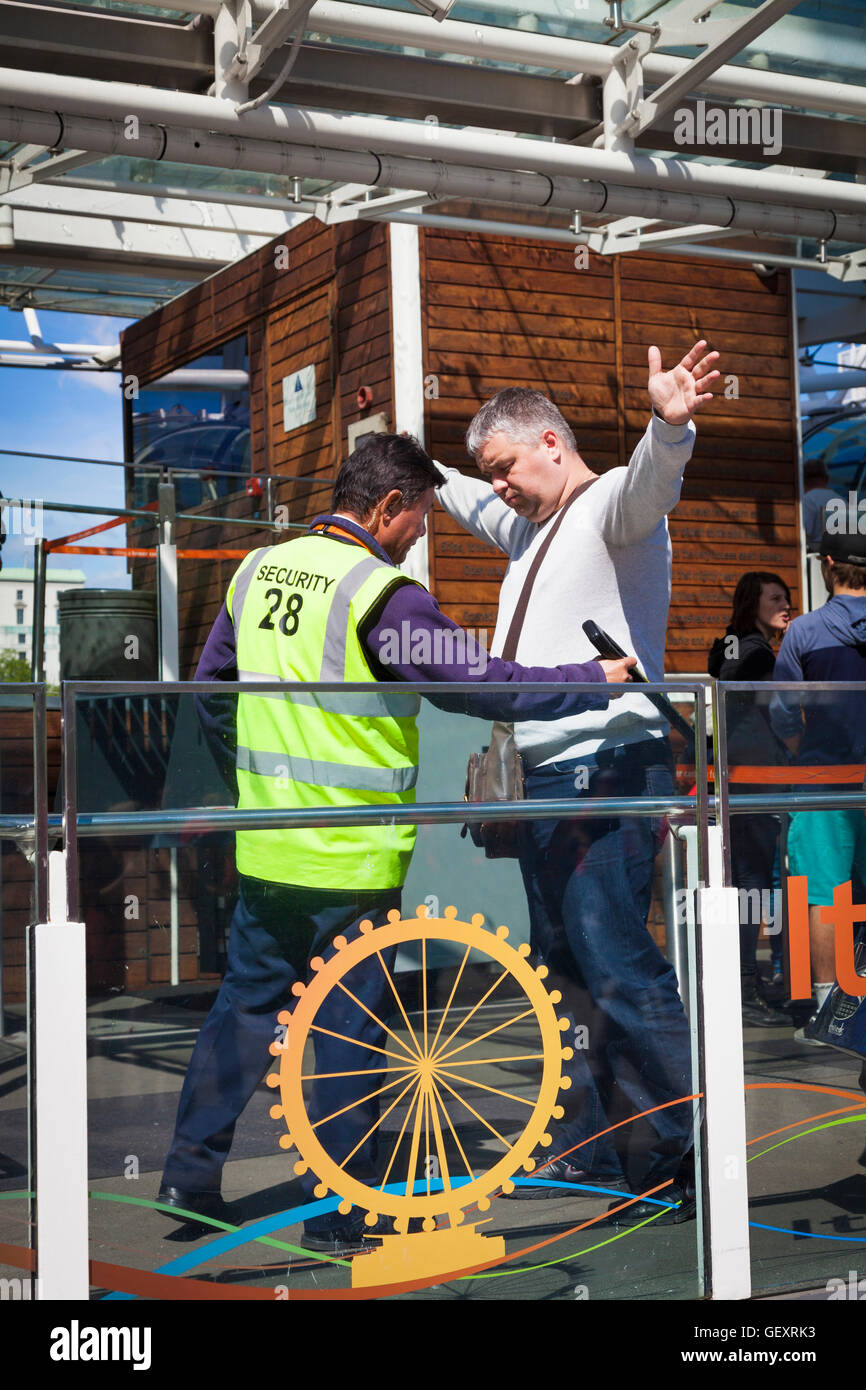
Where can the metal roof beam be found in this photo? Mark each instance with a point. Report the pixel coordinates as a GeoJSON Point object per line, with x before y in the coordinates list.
{"type": "Point", "coordinates": [667, 192]}
{"type": "Point", "coordinates": [81, 105]}
{"type": "Point", "coordinates": [169, 51]}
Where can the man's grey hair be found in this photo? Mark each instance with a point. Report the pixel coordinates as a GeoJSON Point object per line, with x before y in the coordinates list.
{"type": "Point", "coordinates": [520, 413]}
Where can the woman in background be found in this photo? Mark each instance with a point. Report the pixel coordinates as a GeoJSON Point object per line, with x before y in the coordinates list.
{"type": "Point", "coordinates": [762, 611]}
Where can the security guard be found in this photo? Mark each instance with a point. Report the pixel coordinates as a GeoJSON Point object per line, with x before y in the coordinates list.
{"type": "Point", "coordinates": [326, 608]}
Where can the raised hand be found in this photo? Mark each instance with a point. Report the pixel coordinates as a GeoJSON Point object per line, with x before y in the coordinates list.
{"type": "Point", "coordinates": [677, 394]}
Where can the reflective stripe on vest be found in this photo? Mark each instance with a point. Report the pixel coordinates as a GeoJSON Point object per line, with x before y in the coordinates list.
{"type": "Point", "coordinates": [319, 774]}
{"type": "Point", "coordinates": [242, 586]}
{"type": "Point", "coordinates": [363, 704]}
{"type": "Point", "coordinates": [334, 652]}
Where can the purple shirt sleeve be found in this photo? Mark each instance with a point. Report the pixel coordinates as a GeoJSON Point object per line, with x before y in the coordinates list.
{"type": "Point", "coordinates": [218, 713]}
{"type": "Point", "coordinates": [219, 661]}
{"type": "Point", "coordinates": [415, 641]}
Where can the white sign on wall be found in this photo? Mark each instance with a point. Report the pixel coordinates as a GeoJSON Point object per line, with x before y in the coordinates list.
{"type": "Point", "coordinates": [299, 398]}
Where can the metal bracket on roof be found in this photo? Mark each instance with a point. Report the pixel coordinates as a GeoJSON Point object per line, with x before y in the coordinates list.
{"type": "Point", "coordinates": [272, 33]}
{"type": "Point", "coordinates": [24, 170]}
{"type": "Point", "coordinates": [687, 25]}
{"type": "Point", "coordinates": [344, 204]}
{"type": "Point", "coordinates": [850, 267]}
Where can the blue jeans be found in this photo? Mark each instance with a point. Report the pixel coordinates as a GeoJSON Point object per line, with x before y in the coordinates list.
{"type": "Point", "coordinates": [589, 884]}
{"type": "Point", "coordinates": [276, 930]}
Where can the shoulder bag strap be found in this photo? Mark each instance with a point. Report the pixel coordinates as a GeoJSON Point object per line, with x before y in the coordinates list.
{"type": "Point", "coordinates": [509, 651]}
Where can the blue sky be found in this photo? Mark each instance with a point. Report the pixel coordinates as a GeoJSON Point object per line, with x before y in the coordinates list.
{"type": "Point", "coordinates": [63, 412]}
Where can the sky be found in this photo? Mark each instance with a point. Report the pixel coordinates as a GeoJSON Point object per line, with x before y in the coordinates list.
{"type": "Point", "coordinates": [56, 413]}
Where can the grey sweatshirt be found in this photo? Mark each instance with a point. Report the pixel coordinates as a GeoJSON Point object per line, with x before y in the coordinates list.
{"type": "Point", "coordinates": [610, 561]}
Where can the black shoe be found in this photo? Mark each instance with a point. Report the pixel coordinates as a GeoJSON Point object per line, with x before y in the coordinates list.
{"type": "Point", "coordinates": [559, 1170]}
{"type": "Point", "coordinates": [189, 1205]}
{"type": "Point", "coordinates": [757, 1013]}
{"type": "Point", "coordinates": [338, 1240]}
{"type": "Point", "coordinates": [683, 1195]}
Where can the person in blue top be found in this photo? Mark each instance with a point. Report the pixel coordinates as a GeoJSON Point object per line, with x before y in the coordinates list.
{"type": "Point", "coordinates": [826, 729]}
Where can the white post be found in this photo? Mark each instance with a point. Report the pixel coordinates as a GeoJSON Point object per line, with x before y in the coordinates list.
{"type": "Point", "coordinates": [405, 263]}
{"type": "Point", "coordinates": [724, 1093]}
{"type": "Point", "coordinates": [169, 658]}
{"type": "Point", "coordinates": [166, 586]}
{"type": "Point", "coordinates": [59, 1032]}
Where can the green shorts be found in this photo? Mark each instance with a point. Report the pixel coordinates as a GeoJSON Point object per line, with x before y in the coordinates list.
{"type": "Point", "coordinates": [826, 846]}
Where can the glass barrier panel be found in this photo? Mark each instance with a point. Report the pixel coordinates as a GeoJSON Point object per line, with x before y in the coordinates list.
{"type": "Point", "coordinates": [444, 1104]}
{"type": "Point", "coordinates": [796, 760]}
{"type": "Point", "coordinates": [18, 911]}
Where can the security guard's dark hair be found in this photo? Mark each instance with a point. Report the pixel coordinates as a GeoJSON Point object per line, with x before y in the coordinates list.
{"type": "Point", "coordinates": [382, 462]}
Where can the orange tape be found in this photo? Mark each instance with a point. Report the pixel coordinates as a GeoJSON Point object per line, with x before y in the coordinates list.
{"type": "Point", "coordinates": [843, 773]}
{"type": "Point", "coordinates": [147, 554]}
{"type": "Point", "coordinates": [101, 550]}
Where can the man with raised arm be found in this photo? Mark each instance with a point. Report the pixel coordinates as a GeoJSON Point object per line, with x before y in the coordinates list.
{"type": "Point", "coordinates": [330, 606]}
{"type": "Point", "coordinates": [589, 882]}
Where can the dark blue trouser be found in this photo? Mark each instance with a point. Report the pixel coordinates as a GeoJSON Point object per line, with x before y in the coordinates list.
{"type": "Point", "coordinates": [589, 884]}
{"type": "Point", "coordinates": [276, 929]}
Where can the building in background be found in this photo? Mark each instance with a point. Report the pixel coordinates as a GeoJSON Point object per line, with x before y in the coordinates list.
{"type": "Point", "coordinates": [16, 614]}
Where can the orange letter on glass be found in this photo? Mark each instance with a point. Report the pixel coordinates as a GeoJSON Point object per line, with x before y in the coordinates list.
{"type": "Point", "coordinates": [842, 916]}
{"type": "Point", "coordinates": [798, 937]}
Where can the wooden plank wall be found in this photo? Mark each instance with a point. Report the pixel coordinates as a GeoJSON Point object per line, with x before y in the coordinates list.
{"type": "Point", "coordinates": [330, 305]}
{"type": "Point", "coordinates": [501, 312]}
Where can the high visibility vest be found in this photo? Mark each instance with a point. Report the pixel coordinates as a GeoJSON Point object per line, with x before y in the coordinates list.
{"type": "Point", "coordinates": [296, 609]}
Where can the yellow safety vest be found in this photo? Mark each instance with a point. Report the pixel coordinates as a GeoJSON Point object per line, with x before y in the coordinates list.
{"type": "Point", "coordinates": [296, 609]}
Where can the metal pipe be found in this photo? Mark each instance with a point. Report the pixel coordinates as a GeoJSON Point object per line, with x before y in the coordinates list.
{"type": "Point", "coordinates": [40, 581]}
{"type": "Point", "coordinates": [720, 764]}
{"type": "Point", "coordinates": [654, 197]}
{"type": "Point", "coordinates": [69, 755]}
{"type": "Point", "coordinates": [120, 463]}
{"type": "Point", "coordinates": [89, 98]}
{"type": "Point", "coordinates": [489, 226]}
{"type": "Point", "coordinates": [30, 348]}
{"type": "Point", "coordinates": [676, 926]}
{"type": "Point", "coordinates": [757, 257]}
{"type": "Point", "coordinates": [212, 819]}
{"type": "Point", "coordinates": [811, 381]}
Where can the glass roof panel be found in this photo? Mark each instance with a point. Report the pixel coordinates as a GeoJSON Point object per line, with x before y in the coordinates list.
{"type": "Point", "coordinates": [823, 38]}
{"type": "Point", "coordinates": [98, 291]}
{"type": "Point", "coordinates": [199, 179]}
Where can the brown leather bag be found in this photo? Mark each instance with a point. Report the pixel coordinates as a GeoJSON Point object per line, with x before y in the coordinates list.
{"type": "Point", "coordinates": [496, 773]}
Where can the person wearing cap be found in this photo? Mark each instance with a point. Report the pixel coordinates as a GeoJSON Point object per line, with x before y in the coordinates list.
{"type": "Point", "coordinates": [826, 645]}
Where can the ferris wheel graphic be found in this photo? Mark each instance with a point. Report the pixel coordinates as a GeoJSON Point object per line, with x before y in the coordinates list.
{"type": "Point", "coordinates": [434, 1078]}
